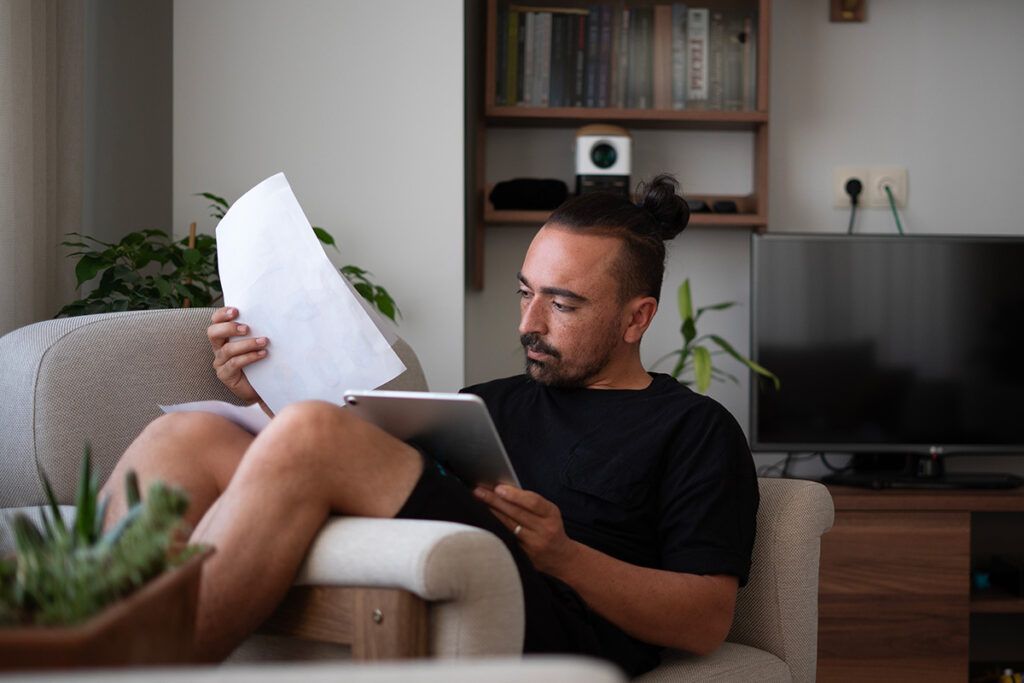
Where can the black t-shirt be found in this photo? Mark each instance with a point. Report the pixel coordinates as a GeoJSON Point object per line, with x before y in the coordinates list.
{"type": "Point", "coordinates": [660, 477]}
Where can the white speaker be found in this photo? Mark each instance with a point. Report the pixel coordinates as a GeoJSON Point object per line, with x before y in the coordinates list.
{"type": "Point", "coordinates": [604, 159]}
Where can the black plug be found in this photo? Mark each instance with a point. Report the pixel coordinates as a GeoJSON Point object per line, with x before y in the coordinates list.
{"type": "Point", "coordinates": [853, 188]}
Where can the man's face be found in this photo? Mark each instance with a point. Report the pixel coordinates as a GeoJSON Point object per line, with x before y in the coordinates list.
{"type": "Point", "coordinates": [571, 319]}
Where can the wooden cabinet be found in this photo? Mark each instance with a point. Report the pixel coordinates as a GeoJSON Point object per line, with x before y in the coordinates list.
{"type": "Point", "coordinates": [482, 81]}
{"type": "Point", "coordinates": [895, 599]}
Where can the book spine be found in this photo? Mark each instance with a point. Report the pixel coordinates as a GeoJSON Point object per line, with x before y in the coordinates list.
{"type": "Point", "coordinates": [750, 64]}
{"type": "Point", "coordinates": [732, 73]}
{"type": "Point", "coordinates": [593, 36]}
{"type": "Point", "coordinates": [544, 60]}
{"type": "Point", "coordinates": [717, 41]}
{"type": "Point", "coordinates": [579, 80]}
{"type": "Point", "coordinates": [697, 57]}
{"type": "Point", "coordinates": [604, 56]}
{"type": "Point", "coordinates": [501, 57]}
{"type": "Point", "coordinates": [529, 59]}
{"type": "Point", "coordinates": [512, 57]}
{"type": "Point", "coordinates": [645, 16]}
{"type": "Point", "coordinates": [622, 81]}
{"type": "Point", "coordinates": [569, 59]}
{"type": "Point", "coordinates": [557, 91]}
{"type": "Point", "coordinates": [521, 59]}
{"type": "Point", "coordinates": [678, 56]}
{"type": "Point", "coordinates": [661, 68]}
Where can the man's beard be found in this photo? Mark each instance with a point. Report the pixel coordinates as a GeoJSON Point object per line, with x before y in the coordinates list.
{"type": "Point", "coordinates": [551, 372]}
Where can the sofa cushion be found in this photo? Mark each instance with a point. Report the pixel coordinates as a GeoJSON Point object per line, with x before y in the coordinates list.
{"type": "Point", "coordinates": [731, 662]}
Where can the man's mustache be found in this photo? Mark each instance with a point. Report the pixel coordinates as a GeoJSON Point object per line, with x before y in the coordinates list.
{"type": "Point", "coordinates": [533, 342]}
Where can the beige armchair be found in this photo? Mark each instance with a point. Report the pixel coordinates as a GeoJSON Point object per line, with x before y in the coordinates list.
{"type": "Point", "coordinates": [386, 588]}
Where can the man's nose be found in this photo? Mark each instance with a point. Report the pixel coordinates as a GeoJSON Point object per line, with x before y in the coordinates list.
{"type": "Point", "coordinates": [531, 318]}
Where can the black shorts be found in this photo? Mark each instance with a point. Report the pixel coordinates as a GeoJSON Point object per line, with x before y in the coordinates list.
{"type": "Point", "coordinates": [557, 619]}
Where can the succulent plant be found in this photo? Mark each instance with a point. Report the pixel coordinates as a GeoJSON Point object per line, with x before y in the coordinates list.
{"type": "Point", "coordinates": [62, 575]}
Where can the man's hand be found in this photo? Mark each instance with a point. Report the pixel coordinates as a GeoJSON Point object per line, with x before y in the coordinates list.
{"type": "Point", "coordinates": [539, 524]}
{"type": "Point", "coordinates": [229, 357]}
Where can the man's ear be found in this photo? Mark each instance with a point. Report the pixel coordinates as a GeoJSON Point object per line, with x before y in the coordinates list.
{"type": "Point", "coordinates": [641, 312]}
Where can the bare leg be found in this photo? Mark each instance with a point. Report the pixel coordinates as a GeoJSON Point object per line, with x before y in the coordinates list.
{"type": "Point", "coordinates": [313, 459]}
{"type": "Point", "coordinates": [198, 452]}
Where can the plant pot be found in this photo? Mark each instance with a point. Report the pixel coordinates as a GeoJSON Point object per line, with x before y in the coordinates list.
{"type": "Point", "coordinates": [153, 625]}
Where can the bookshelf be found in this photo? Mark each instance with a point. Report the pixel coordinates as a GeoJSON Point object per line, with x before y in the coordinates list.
{"type": "Point", "coordinates": [498, 111]}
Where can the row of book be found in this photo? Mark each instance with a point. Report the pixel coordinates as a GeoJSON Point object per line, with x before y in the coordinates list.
{"type": "Point", "coordinates": [665, 56]}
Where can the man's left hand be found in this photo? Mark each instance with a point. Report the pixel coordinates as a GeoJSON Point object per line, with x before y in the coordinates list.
{"type": "Point", "coordinates": [539, 523]}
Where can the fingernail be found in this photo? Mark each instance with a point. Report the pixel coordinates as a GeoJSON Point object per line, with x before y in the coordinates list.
{"type": "Point", "coordinates": [478, 492]}
{"type": "Point", "coordinates": [243, 329]}
{"type": "Point", "coordinates": [500, 490]}
{"type": "Point", "coordinates": [262, 341]}
{"type": "Point", "coordinates": [232, 311]}
{"type": "Point", "coordinates": [261, 353]}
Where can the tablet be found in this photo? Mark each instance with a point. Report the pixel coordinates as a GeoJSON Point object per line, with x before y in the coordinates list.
{"type": "Point", "coordinates": [454, 429]}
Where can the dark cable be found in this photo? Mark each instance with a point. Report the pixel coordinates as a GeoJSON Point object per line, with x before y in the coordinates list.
{"type": "Point", "coordinates": [853, 188]}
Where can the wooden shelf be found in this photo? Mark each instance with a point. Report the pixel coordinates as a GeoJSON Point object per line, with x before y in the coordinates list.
{"type": "Point", "coordinates": [996, 601]}
{"type": "Point", "coordinates": [574, 117]}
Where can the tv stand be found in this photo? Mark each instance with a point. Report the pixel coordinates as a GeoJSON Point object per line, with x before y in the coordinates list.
{"type": "Point", "coordinates": [915, 471]}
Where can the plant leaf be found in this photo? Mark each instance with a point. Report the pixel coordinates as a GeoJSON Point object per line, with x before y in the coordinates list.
{"type": "Point", "coordinates": [87, 268]}
{"type": "Point", "coordinates": [685, 301]}
{"type": "Point", "coordinates": [764, 372]}
{"type": "Point", "coordinates": [714, 307]}
{"type": "Point", "coordinates": [702, 368]}
{"type": "Point", "coordinates": [689, 330]}
{"type": "Point", "coordinates": [325, 237]}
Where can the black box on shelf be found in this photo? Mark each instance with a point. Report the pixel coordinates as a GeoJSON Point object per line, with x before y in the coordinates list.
{"type": "Point", "coordinates": [1007, 572]}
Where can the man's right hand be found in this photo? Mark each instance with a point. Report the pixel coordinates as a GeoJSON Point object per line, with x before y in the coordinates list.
{"type": "Point", "coordinates": [230, 357]}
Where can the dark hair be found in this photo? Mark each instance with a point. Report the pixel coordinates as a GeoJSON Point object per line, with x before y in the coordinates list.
{"type": "Point", "coordinates": [659, 214]}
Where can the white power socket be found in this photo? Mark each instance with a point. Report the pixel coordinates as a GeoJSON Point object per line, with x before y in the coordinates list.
{"type": "Point", "coordinates": [874, 179]}
{"type": "Point", "coordinates": [880, 176]}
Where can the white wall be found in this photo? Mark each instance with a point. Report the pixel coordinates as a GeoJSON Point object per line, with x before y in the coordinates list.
{"type": "Point", "coordinates": [361, 105]}
{"type": "Point", "coordinates": [933, 85]}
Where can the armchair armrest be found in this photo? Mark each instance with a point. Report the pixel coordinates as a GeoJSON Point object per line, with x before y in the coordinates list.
{"type": "Point", "coordinates": [406, 588]}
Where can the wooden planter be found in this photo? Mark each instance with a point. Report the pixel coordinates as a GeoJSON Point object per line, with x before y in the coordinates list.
{"type": "Point", "coordinates": [153, 625]}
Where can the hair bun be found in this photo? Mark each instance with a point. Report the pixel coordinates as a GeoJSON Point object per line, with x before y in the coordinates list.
{"type": "Point", "coordinates": [670, 211]}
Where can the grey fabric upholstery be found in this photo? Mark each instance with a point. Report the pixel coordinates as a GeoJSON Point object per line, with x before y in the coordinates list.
{"type": "Point", "coordinates": [101, 377]}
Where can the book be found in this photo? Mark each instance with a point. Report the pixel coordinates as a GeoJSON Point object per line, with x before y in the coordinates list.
{"type": "Point", "coordinates": [579, 77]}
{"type": "Point", "coordinates": [717, 45]}
{"type": "Point", "coordinates": [661, 67]}
{"type": "Point", "coordinates": [696, 57]}
{"type": "Point", "coordinates": [621, 81]}
{"type": "Point", "coordinates": [732, 63]}
{"type": "Point", "coordinates": [678, 55]}
{"type": "Point", "coordinates": [641, 70]}
{"type": "Point", "coordinates": [558, 55]}
{"type": "Point", "coordinates": [529, 59]}
{"type": "Point", "coordinates": [512, 57]}
{"type": "Point", "coordinates": [542, 48]}
{"type": "Point", "coordinates": [592, 46]}
{"type": "Point", "coordinates": [750, 64]}
{"type": "Point", "coordinates": [501, 57]}
{"type": "Point", "coordinates": [604, 55]}
{"type": "Point", "coordinates": [521, 56]}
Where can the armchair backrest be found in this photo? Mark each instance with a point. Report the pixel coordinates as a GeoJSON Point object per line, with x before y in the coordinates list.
{"type": "Point", "coordinates": [777, 611]}
{"type": "Point", "coordinates": [101, 379]}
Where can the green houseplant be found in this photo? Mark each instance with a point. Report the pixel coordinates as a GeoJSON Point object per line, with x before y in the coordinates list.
{"type": "Point", "coordinates": [71, 594]}
{"type": "Point", "coordinates": [695, 359]}
{"type": "Point", "coordinates": [149, 269]}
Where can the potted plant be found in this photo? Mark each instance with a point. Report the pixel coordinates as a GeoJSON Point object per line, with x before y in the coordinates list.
{"type": "Point", "coordinates": [73, 595]}
{"type": "Point", "coordinates": [149, 269]}
{"type": "Point", "coordinates": [695, 359]}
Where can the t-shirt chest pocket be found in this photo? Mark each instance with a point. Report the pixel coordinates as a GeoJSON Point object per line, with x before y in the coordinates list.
{"type": "Point", "coordinates": [613, 475]}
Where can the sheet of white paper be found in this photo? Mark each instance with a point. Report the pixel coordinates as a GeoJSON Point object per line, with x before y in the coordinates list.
{"type": "Point", "coordinates": [274, 271]}
{"type": "Point", "coordinates": [250, 418]}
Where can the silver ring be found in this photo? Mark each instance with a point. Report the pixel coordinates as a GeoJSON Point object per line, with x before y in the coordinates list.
{"type": "Point", "coordinates": [519, 527]}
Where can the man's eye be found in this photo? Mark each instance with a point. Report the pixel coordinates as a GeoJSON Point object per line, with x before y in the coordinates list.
{"type": "Point", "coordinates": [523, 294]}
{"type": "Point", "coordinates": [563, 308]}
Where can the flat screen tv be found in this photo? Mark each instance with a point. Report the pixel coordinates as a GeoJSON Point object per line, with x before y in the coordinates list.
{"type": "Point", "coordinates": [888, 347]}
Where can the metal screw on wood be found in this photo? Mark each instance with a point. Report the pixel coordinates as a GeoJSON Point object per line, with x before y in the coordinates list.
{"type": "Point", "coordinates": [378, 616]}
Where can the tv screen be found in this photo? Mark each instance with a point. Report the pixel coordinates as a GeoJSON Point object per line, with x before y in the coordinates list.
{"type": "Point", "coordinates": [888, 344]}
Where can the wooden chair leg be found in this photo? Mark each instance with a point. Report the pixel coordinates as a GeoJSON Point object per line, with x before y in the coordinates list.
{"type": "Point", "coordinates": [378, 623]}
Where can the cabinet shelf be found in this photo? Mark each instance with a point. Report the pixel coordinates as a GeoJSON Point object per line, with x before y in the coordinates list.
{"type": "Point", "coordinates": [746, 219]}
{"type": "Point", "coordinates": [996, 601]}
{"type": "Point", "coordinates": [573, 117]}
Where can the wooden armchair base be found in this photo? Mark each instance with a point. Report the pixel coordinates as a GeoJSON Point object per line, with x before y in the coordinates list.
{"type": "Point", "coordinates": [378, 623]}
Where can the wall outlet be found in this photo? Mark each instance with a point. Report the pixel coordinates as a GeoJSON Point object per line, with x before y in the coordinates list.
{"type": "Point", "coordinates": [840, 175]}
{"type": "Point", "coordinates": [880, 176]}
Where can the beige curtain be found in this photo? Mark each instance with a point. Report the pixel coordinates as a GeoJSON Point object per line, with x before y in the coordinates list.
{"type": "Point", "coordinates": [41, 126]}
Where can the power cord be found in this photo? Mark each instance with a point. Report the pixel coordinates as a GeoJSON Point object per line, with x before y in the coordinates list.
{"type": "Point", "coordinates": [892, 205]}
{"type": "Point", "coordinates": [853, 188]}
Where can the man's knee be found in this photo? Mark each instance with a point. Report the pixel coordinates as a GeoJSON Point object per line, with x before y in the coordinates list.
{"type": "Point", "coordinates": [317, 425]}
{"type": "Point", "coordinates": [197, 426]}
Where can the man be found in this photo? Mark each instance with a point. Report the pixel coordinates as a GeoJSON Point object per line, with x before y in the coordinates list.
{"type": "Point", "coordinates": [636, 521]}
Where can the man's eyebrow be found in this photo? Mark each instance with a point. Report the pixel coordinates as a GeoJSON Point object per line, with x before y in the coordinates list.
{"type": "Point", "coordinates": [555, 291]}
